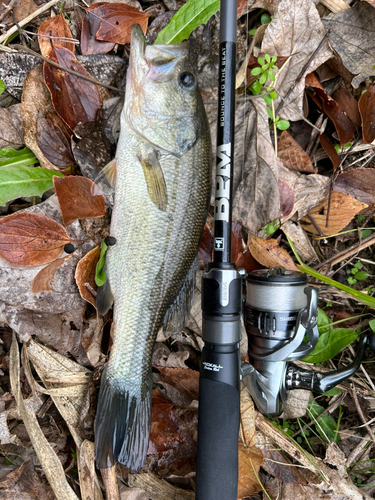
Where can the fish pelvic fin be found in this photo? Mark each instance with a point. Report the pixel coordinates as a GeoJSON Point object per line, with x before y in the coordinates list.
{"type": "Point", "coordinates": [156, 187]}
{"type": "Point", "coordinates": [122, 425]}
{"type": "Point", "coordinates": [105, 181]}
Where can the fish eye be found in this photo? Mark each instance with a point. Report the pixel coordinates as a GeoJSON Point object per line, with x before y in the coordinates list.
{"type": "Point", "coordinates": [187, 80]}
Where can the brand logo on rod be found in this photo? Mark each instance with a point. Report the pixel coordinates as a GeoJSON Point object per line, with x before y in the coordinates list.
{"type": "Point", "coordinates": [222, 195]}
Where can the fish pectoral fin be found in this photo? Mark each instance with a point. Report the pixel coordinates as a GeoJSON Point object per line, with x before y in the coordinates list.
{"type": "Point", "coordinates": [156, 187]}
{"type": "Point", "coordinates": [105, 181]}
{"type": "Point", "coordinates": [104, 298]}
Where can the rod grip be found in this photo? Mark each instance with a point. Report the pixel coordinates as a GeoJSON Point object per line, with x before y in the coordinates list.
{"type": "Point", "coordinates": [218, 426]}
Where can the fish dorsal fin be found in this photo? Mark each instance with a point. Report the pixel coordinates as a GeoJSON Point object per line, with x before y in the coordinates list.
{"type": "Point", "coordinates": [105, 181]}
{"type": "Point", "coordinates": [156, 187]}
{"type": "Point", "coordinates": [177, 314]}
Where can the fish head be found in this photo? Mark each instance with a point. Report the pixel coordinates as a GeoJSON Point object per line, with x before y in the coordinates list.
{"type": "Point", "coordinates": [163, 103]}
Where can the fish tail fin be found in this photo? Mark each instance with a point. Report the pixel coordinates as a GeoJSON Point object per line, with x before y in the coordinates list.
{"type": "Point", "coordinates": [122, 425]}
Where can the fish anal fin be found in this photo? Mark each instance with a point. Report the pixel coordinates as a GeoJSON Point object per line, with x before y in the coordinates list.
{"type": "Point", "coordinates": [105, 181]}
{"type": "Point", "coordinates": [156, 186]}
{"type": "Point", "coordinates": [104, 298]}
{"type": "Point", "coordinates": [177, 313]}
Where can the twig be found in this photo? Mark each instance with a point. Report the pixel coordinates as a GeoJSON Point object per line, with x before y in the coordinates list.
{"type": "Point", "coordinates": [23, 35]}
{"type": "Point", "coordinates": [314, 134]}
{"type": "Point", "coordinates": [344, 254]}
{"type": "Point", "coordinates": [313, 222]}
{"type": "Point", "coordinates": [360, 412]}
{"type": "Point", "coordinates": [358, 450]}
{"type": "Point", "coordinates": [8, 8]}
{"type": "Point", "coordinates": [110, 483]}
{"type": "Point", "coordinates": [68, 70]}
{"type": "Point", "coordinates": [27, 19]}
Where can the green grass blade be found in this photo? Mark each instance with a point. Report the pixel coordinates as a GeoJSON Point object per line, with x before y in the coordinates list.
{"type": "Point", "coordinates": [187, 18]}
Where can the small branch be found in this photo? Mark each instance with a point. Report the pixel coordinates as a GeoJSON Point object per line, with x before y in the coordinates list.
{"type": "Point", "coordinates": [7, 9]}
{"type": "Point", "coordinates": [345, 254]}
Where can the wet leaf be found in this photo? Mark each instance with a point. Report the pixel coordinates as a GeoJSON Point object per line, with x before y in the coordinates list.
{"type": "Point", "coordinates": [296, 29]}
{"type": "Point", "coordinates": [330, 150]}
{"type": "Point", "coordinates": [16, 182]}
{"type": "Point", "coordinates": [351, 34]}
{"type": "Point", "coordinates": [292, 155]}
{"type": "Point", "coordinates": [359, 183]}
{"type": "Point", "coordinates": [42, 281]}
{"type": "Point", "coordinates": [53, 138]}
{"type": "Point", "coordinates": [343, 126]}
{"type": "Point", "coordinates": [270, 254]}
{"type": "Point", "coordinates": [183, 379]}
{"type": "Point", "coordinates": [117, 20]}
{"type": "Point", "coordinates": [342, 210]}
{"type": "Point", "coordinates": [11, 132]}
{"type": "Point", "coordinates": [85, 273]}
{"type": "Point", "coordinates": [58, 28]}
{"type": "Point", "coordinates": [75, 199]}
{"type": "Point", "coordinates": [366, 105]}
{"type": "Point", "coordinates": [28, 239]}
{"type": "Point", "coordinates": [249, 460]}
{"type": "Point", "coordinates": [287, 198]}
{"type": "Point", "coordinates": [74, 99]}
{"type": "Point", "coordinates": [90, 26]}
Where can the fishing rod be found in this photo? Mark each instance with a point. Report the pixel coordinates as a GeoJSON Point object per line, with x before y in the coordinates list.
{"type": "Point", "coordinates": [219, 383]}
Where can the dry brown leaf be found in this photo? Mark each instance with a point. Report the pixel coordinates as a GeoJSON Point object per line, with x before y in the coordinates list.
{"type": "Point", "coordinates": [42, 281]}
{"type": "Point", "coordinates": [11, 132]}
{"type": "Point", "coordinates": [247, 423]}
{"type": "Point", "coordinates": [85, 273]}
{"type": "Point", "coordinates": [28, 239]}
{"type": "Point", "coordinates": [296, 29]}
{"type": "Point", "coordinates": [270, 254]}
{"type": "Point", "coordinates": [249, 460]}
{"type": "Point", "coordinates": [330, 150]}
{"type": "Point", "coordinates": [287, 198]}
{"type": "Point", "coordinates": [75, 199]}
{"type": "Point", "coordinates": [183, 379]}
{"type": "Point", "coordinates": [348, 104]}
{"type": "Point", "coordinates": [88, 480]}
{"type": "Point", "coordinates": [54, 139]}
{"type": "Point", "coordinates": [117, 20]}
{"type": "Point", "coordinates": [342, 210]}
{"type": "Point", "coordinates": [359, 183]}
{"type": "Point", "coordinates": [366, 105]}
{"type": "Point", "coordinates": [52, 33]}
{"type": "Point", "coordinates": [293, 156]}
{"type": "Point", "coordinates": [90, 26]}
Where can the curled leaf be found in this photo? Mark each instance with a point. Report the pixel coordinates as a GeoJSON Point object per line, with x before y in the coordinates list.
{"type": "Point", "coordinates": [53, 138]}
{"type": "Point", "coordinates": [54, 32]}
{"type": "Point", "coordinates": [85, 273]}
{"type": "Point", "coordinates": [117, 20]}
{"type": "Point", "coordinates": [41, 282]}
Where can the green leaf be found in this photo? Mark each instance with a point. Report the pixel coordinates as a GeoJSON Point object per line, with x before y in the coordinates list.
{"type": "Point", "coordinates": [27, 159]}
{"type": "Point", "coordinates": [267, 58]}
{"type": "Point", "coordinates": [252, 32]}
{"type": "Point", "coordinates": [268, 99]}
{"type": "Point", "coordinates": [352, 281]}
{"type": "Point", "coordinates": [271, 75]}
{"type": "Point", "coordinates": [372, 325]}
{"type": "Point", "coordinates": [20, 181]}
{"type": "Point", "coordinates": [365, 233]}
{"type": "Point", "coordinates": [187, 18]}
{"type": "Point", "coordinates": [100, 275]}
{"type": "Point", "coordinates": [261, 61]}
{"type": "Point", "coordinates": [361, 275]}
{"type": "Point", "coordinates": [2, 86]}
{"type": "Point", "coordinates": [359, 265]}
{"type": "Point", "coordinates": [256, 71]}
{"type": "Point", "coordinates": [270, 113]}
{"type": "Point", "coordinates": [273, 94]}
{"type": "Point", "coordinates": [283, 124]}
{"type": "Point", "coordinates": [337, 147]}
{"type": "Point", "coordinates": [263, 79]}
{"type": "Point", "coordinates": [256, 87]}
{"type": "Point", "coordinates": [324, 322]}
{"type": "Point", "coordinates": [11, 153]}
{"type": "Point", "coordinates": [274, 59]}
{"type": "Point", "coordinates": [326, 425]}
{"type": "Point", "coordinates": [335, 391]}
{"type": "Point", "coordinates": [330, 343]}
{"type": "Point", "coordinates": [265, 19]}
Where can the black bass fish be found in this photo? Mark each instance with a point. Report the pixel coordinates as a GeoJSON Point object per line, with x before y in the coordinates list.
{"type": "Point", "coordinates": [162, 190]}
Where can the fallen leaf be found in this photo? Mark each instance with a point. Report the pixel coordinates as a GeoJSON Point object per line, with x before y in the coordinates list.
{"type": "Point", "coordinates": [240, 7]}
{"type": "Point", "coordinates": [88, 479]}
{"type": "Point", "coordinates": [359, 183]}
{"type": "Point", "coordinates": [117, 20]}
{"type": "Point", "coordinates": [330, 150]}
{"type": "Point", "coordinates": [28, 239]}
{"type": "Point", "coordinates": [11, 132]}
{"type": "Point", "coordinates": [348, 104]}
{"type": "Point", "coordinates": [371, 2]}
{"type": "Point", "coordinates": [85, 273]}
{"type": "Point", "coordinates": [164, 429]}
{"type": "Point", "coordinates": [293, 156]}
{"type": "Point", "coordinates": [256, 199]}
{"type": "Point", "coordinates": [206, 245]}
{"type": "Point", "coordinates": [341, 315]}
{"type": "Point", "coordinates": [24, 482]}
{"type": "Point", "coordinates": [53, 138]}
{"type": "Point", "coordinates": [276, 463]}
{"type": "Point", "coordinates": [247, 422]}
{"type": "Point", "coordinates": [342, 210]}
{"type": "Point", "coordinates": [157, 489]}
{"type": "Point", "coordinates": [75, 199]}
{"type": "Point", "coordinates": [270, 254]}
{"type": "Point", "coordinates": [249, 462]}
{"type": "Point", "coordinates": [41, 282]}
{"type": "Point", "coordinates": [237, 245]}
{"type": "Point", "coordinates": [162, 356]}
{"type": "Point", "coordinates": [35, 98]}
{"type": "Point", "coordinates": [351, 34]}
{"type": "Point", "coordinates": [366, 105]}
{"type": "Point", "coordinates": [183, 379]}
{"type": "Point", "coordinates": [343, 126]}
{"type": "Point", "coordinates": [14, 68]}
{"type": "Point", "coordinates": [52, 32]}
{"type": "Point", "coordinates": [74, 99]}
{"type": "Point", "coordinates": [287, 198]}
{"type": "Point", "coordinates": [296, 29]}
{"type": "Point", "coordinates": [90, 26]}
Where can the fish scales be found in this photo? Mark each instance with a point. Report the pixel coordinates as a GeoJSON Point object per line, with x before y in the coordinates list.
{"type": "Point", "coordinates": [161, 201]}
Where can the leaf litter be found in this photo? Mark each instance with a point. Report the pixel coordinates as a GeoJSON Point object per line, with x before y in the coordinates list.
{"type": "Point", "coordinates": [268, 195]}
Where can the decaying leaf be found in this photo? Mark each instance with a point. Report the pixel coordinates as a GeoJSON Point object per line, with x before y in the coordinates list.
{"type": "Point", "coordinates": [117, 20]}
{"type": "Point", "coordinates": [287, 198]}
{"type": "Point", "coordinates": [54, 138]}
{"type": "Point", "coordinates": [359, 183]}
{"type": "Point", "coordinates": [74, 99]}
{"type": "Point", "coordinates": [28, 239]}
{"type": "Point", "coordinates": [296, 30]}
{"type": "Point", "coordinates": [24, 484]}
{"type": "Point", "coordinates": [249, 461]}
{"type": "Point", "coordinates": [11, 131]}
{"type": "Point", "coordinates": [41, 282]}
{"type": "Point", "coordinates": [54, 32]}
{"type": "Point", "coordinates": [88, 480]}
{"type": "Point", "coordinates": [75, 199]}
{"type": "Point", "coordinates": [256, 200]}
{"type": "Point", "coordinates": [206, 245]}
{"type": "Point", "coordinates": [348, 104]}
{"type": "Point", "coordinates": [293, 156]}
{"type": "Point", "coordinates": [162, 356]}
{"type": "Point", "coordinates": [342, 210]}
{"type": "Point", "coordinates": [157, 489]}
{"type": "Point", "coordinates": [330, 150]}
{"type": "Point", "coordinates": [343, 125]}
{"type": "Point", "coordinates": [247, 423]}
{"type": "Point", "coordinates": [366, 105]}
{"type": "Point", "coordinates": [351, 34]}
{"type": "Point", "coordinates": [85, 273]}
{"type": "Point", "coordinates": [90, 26]}
{"type": "Point", "coordinates": [14, 68]}
{"type": "Point", "coordinates": [184, 379]}
{"type": "Point", "coordinates": [269, 253]}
